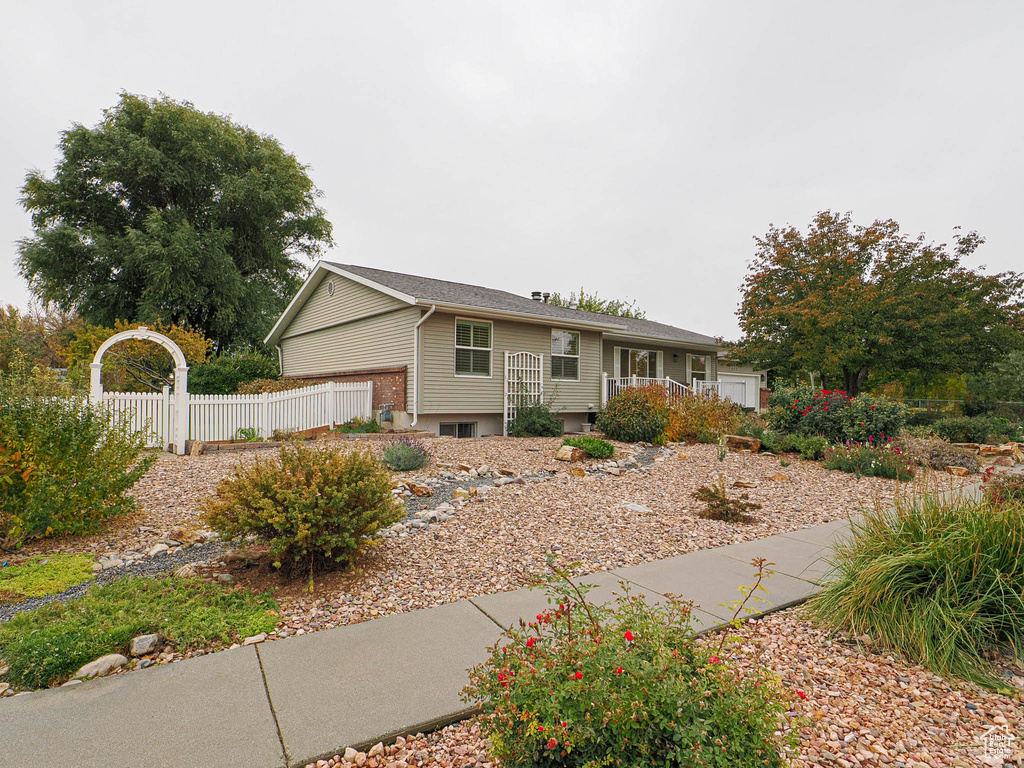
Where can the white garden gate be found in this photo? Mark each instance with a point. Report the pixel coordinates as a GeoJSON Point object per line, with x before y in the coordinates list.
{"type": "Point", "coordinates": [524, 382]}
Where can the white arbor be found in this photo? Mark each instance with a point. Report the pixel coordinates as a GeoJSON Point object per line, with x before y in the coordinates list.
{"type": "Point", "coordinates": [180, 377]}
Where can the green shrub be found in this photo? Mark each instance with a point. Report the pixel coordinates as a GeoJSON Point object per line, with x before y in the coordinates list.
{"type": "Point", "coordinates": [718, 505]}
{"type": "Point", "coordinates": [222, 375]}
{"type": "Point", "coordinates": [810, 447]}
{"type": "Point", "coordinates": [406, 454]}
{"type": "Point", "coordinates": [249, 434]}
{"type": "Point", "coordinates": [936, 453]}
{"type": "Point", "coordinates": [314, 507]}
{"type": "Point", "coordinates": [635, 415]}
{"type": "Point", "coordinates": [594, 447]}
{"type": "Point", "coordinates": [1004, 489]}
{"type": "Point", "coordinates": [47, 645]}
{"type": "Point", "coordinates": [64, 467]}
{"type": "Point", "coordinates": [625, 683]}
{"type": "Point", "coordinates": [923, 418]}
{"type": "Point", "coordinates": [869, 461]}
{"type": "Point", "coordinates": [939, 580]}
{"type": "Point", "coordinates": [358, 427]}
{"type": "Point", "coordinates": [534, 421]}
{"type": "Point", "coordinates": [973, 429]}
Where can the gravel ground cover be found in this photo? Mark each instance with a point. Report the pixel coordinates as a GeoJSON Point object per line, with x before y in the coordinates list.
{"type": "Point", "coordinates": [862, 708]}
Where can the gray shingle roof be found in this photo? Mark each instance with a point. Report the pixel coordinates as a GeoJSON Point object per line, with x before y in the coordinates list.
{"type": "Point", "coordinates": [429, 289]}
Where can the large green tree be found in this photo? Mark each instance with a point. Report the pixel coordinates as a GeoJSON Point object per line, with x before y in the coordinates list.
{"type": "Point", "coordinates": [163, 212]}
{"type": "Point", "coordinates": [843, 300]}
{"type": "Point", "coordinates": [591, 302]}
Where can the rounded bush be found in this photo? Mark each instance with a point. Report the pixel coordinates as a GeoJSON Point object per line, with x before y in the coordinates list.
{"type": "Point", "coordinates": [594, 447]}
{"type": "Point", "coordinates": [534, 421]}
{"type": "Point", "coordinates": [635, 415]}
{"type": "Point", "coordinates": [406, 454]}
{"type": "Point", "coordinates": [314, 507]}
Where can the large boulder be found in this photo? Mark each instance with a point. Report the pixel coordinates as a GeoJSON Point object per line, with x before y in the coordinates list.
{"type": "Point", "coordinates": [742, 444]}
{"type": "Point", "coordinates": [145, 644]}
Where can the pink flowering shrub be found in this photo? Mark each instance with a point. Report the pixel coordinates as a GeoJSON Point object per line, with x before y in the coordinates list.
{"type": "Point", "coordinates": [623, 684]}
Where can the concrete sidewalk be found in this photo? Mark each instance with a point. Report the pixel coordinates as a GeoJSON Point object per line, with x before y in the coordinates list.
{"type": "Point", "coordinates": [291, 701]}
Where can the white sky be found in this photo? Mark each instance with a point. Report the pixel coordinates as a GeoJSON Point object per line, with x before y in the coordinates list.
{"type": "Point", "coordinates": [633, 147]}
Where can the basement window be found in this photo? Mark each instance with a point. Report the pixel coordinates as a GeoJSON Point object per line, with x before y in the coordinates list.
{"type": "Point", "coordinates": [458, 429]}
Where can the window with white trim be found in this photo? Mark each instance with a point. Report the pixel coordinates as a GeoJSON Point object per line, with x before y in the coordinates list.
{"type": "Point", "coordinates": [472, 348]}
{"type": "Point", "coordinates": [698, 367]}
{"type": "Point", "coordinates": [565, 355]}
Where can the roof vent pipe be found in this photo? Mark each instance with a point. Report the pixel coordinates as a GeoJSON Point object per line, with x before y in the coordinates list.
{"type": "Point", "coordinates": [546, 297]}
{"type": "Point", "coordinates": [535, 295]}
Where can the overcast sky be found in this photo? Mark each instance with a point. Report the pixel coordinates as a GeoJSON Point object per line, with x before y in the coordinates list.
{"type": "Point", "coordinates": [634, 147]}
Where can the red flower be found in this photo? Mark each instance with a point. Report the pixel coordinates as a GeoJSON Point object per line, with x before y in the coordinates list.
{"type": "Point", "coordinates": [872, 407]}
{"type": "Point", "coordinates": [540, 617]}
{"type": "Point", "coordinates": [713, 660]}
{"type": "Point", "coordinates": [552, 743]}
{"type": "Point", "coordinates": [540, 728]}
{"type": "Point", "coordinates": [530, 643]}
{"type": "Point", "coordinates": [629, 636]}
{"type": "Point", "coordinates": [618, 671]}
{"type": "Point", "coordinates": [578, 675]}
{"type": "Point", "coordinates": [801, 694]}
{"type": "Point", "coordinates": [565, 724]}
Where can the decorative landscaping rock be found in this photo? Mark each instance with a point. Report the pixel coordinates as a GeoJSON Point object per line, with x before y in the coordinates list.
{"type": "Point", "coordinates": [681, 456]}
{"type": "Point", "coordinates": [742, 444]}
{"type": "Point", "coordinates": [144, 644]}
{"type": "Point", "coordinates": [568, 453]}
{"type": "Point", "coordinates": [158, 549]}
{"type": "Point", "coordinates": [778, 477]}
{"type": "Point", "coordinates": [1006, 449]}
{"type": "Point", "coordinates": [420, 490]}
{"type": "Point", "coordinates": [460, 493]}
{"type": "Point", "coordinates": [1004, 461]}
{"type": "Point", "coordinates": [260, 638]}
{"type": "Point", "coordinates": [577, 472]}
{"type": "Point", "coordinates": [638, 508]}
{"type": "Point", "coordinates": [958, 471]}
{"type": "Point", "coordinates": [744, 484]}
{"type": "Point", "coordinates": [102, 666]}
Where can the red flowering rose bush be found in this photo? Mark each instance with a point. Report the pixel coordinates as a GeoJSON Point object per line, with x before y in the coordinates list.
{"type": "Point", "coordinates": [622, 684]}
{"type": "Point", "coordinates": [835, 415]}
{"type": "Point", "coordinates": [870, 460]}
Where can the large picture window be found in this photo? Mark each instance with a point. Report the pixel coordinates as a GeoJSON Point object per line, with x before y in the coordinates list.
{"type": "Point", "coordinates": [638, 362]}
{"type": "Point", "coordinates": [565, 355]}
{"type": "Point", "coordinates": [472, 348]}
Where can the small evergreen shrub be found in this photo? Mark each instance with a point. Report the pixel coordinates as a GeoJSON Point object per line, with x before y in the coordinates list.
{"type": "Point", "coordinates": [974, 429]}
{"type": "Point", "coordinates": [635, 415]}
{"type": "Point", "coordinates": [868, 461]}
{"type": "Point", "coordinates": [224, 374]}
{"type": "Point", "coordinates": [938, 579]}
{"type": "Point", "coordinates": [314, 507]}
{"type": "Point", "coordinates": [936, 453]}
{"type": "Point", "coordinates": [534, 421]}
{"type": "Point", "coordinates": [594, 447]}
{"type": "Point", "coordinates": [624, 683]}
{"type": "Point", "coordinates": [718, 505]}
{"type": "Point", "coordinates": [406, 454]}
{"type": "Point", "coordinates": [47, 645]}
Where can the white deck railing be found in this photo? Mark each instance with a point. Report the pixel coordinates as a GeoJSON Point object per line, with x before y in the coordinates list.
{"type": "Point", "coordinates": [612, 386]}
{"type": "Point", "coordinates": [727, 390]}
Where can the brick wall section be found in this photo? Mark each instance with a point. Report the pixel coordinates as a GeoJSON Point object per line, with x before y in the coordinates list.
{"type": "Point", "coordinates": [765, 393]}
{"type": "Point", "coordinates": [388, 384]}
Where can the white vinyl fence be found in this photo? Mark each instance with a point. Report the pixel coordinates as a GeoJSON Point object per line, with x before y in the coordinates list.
{"type": "Point", "coordinates": [220, 417]}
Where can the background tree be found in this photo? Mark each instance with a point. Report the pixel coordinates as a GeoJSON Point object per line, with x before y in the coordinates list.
{"type": "Point", "coordinates": [591, 302]}
{"type": "Point", "coordinates": [38, 337]}
{"type": "Point", "coordinates": [844, 300]}
{"type": "Point", "coordinates": [163, 212]}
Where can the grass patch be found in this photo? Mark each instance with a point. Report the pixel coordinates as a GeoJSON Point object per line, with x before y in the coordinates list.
{"type": "Point", "coordinates": [48, 645]}
{"type": "Point", "coordinates": [941, 581]}
{"type": "Point", "coordinates": [43, 575]}
{"type": "Point", "coordinates": [594, 447]}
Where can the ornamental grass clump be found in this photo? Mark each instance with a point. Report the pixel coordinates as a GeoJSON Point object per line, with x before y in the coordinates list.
{"type": "Point", "coordinates": [622, 684]}
{"type": "Point", "coordinates": [314, 507]}
{"type": "Point", "coordinates": [594, 447]}
{"type": "Point", "coordinates": [406, 454]}
{"type": "Point", "coordinates": [938, 579]}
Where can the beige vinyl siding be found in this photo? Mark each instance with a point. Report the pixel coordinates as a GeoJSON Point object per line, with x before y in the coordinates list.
{"type": "Point", "coordinates": [351, 301]}
{"type": "Point", "coordinates": [441, 391]}
{"type": "Point", "coordinates": [673, 369]}
{"type": "Point", "coordinates": [381, 341]}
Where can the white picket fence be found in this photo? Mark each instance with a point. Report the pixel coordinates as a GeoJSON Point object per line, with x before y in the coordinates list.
{"type": "Point", "coordinates": [214, 418]}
